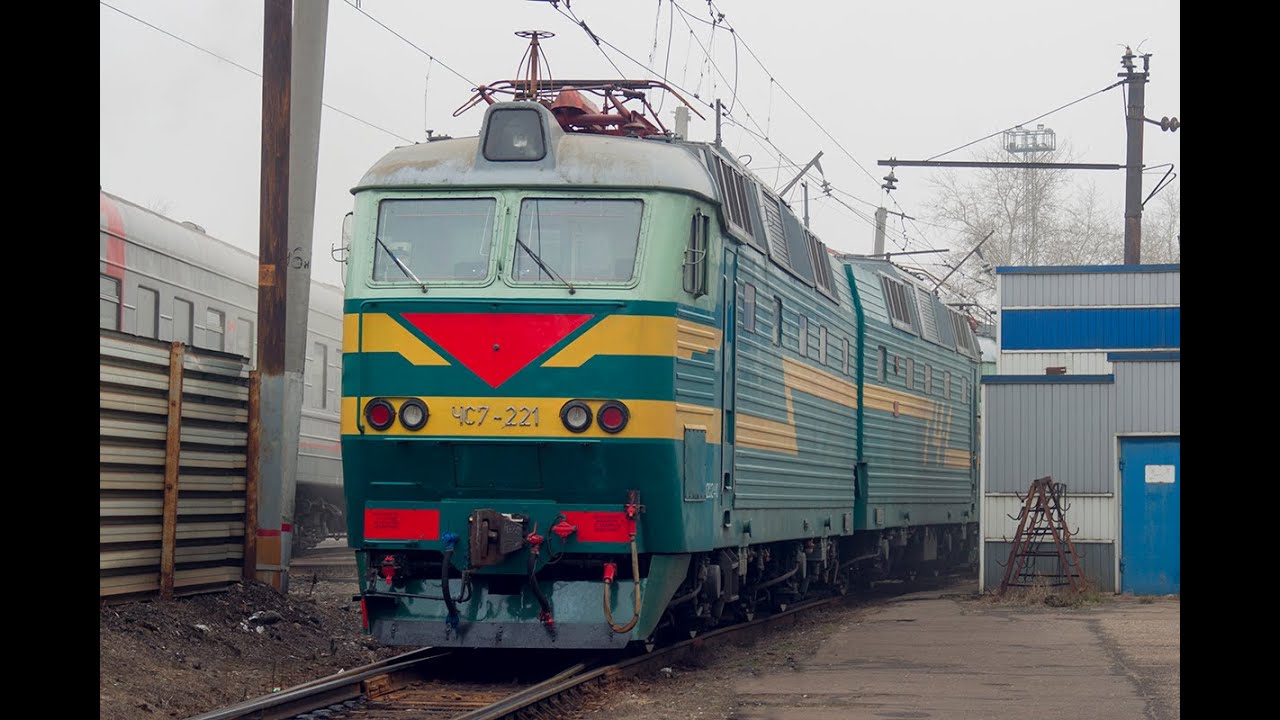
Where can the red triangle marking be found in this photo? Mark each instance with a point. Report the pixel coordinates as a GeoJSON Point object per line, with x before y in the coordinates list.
{"type": "Point", "coordinates": [519, 337]}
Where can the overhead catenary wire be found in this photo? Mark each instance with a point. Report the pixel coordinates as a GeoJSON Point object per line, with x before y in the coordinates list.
{"type": "Point", "coordinates": [746, 46]}
{"type": "Point", "coordinates": [411, 44]}
{"type": "Point", "coordinates": [597, 40]}
{"type": "Point", "coordinates": [656, 19]}
{"type": "Point", "coordinates": [249, 70]}
{"type": "Point", "coordinates": [666, 66]}
{"type": "Point", "coordinates": [760, 132]}
{"type": "Point", "coordinates": [738, 37]}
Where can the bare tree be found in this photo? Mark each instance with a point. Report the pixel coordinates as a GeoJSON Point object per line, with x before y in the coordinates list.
{"type": "Point", "coordinates": [160, 205]}
{"type": "Point", "coordinates": [1035, 217]}
{"type": "Point", "coordinates": [1091, 230]}
{"type": "Point", "coordinates": [1162, 227]}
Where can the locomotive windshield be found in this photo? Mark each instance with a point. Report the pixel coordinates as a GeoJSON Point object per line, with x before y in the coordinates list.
{"type": "Point", "coordinates": [437, 239]}
{"type": "Point", "coordinates": [583, 240]}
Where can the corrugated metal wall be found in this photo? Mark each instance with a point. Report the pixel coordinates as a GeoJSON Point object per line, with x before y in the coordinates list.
{"type": "Point", "coordinates": [1034, 363]}
{"type": "Point", "coordinates": [1090, 289]}
{"type": "Point", "coordinates": [1148, 397]}
{"type": "Point", "coordinates": [211, 459]}
{"type": "Point", "coordinates": [1090, 518]}
{"type": "Point", "coordinates": [1061, 429]}
{"type": "Point", "coordinates": [1097, 560]}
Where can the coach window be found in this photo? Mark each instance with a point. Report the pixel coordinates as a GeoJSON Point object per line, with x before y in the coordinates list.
{"type": "Point", "coordinates": [183, 314]}
{"type": "Point", "coordinates": [695, 256]}
{"type": "Point", "coordinates": [911, 373]}
{"type": "Point", "coordinates": [433, 239]}
{"type": "Point", "coordinates": [749, 308]}
{"type": "Point", "coordinates": [802, 346]}
{"type": "Point", "coordinates": [577, 240]}
{"type": "Point", "coordinates": [883, 370]}
{"type": "Point", "coordinates": [845, 342]}
{"type": "Point", "coordinates": [108, 302]}
{"type": "Point", "coordinates": [316, 375]}
{"type": "Point", "coordinates": [147, 314]}
{"type": "Point", "coordinates": [946, 385]}
{"type": "Point", "coordinates": [928, 380]}
{"type": "Point", "coordinates": [213, 326]}
{"type": "Point", "coordinates": [822, 344]}
{"type": "Point", "coordinates": [244, 338]}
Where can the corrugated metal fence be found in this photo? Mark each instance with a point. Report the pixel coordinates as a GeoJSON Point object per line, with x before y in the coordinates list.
{"type": "Point", "coordinates": [174, 468]}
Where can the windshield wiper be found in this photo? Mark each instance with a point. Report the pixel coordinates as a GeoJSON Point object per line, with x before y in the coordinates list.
{"type": "Point", "coordinates": [543, 265]}
{"type": "Point", "coordinates": [402, 266]}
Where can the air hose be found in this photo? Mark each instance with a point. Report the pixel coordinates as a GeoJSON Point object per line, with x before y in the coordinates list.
{"type": "Point", "coordinates": [535, 543]}
{"type": "Point", "coordinates": [611, 569]}
{"type": "Point", "coordinates": [450, 540]}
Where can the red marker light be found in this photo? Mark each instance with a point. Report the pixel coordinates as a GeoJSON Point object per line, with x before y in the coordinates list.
{"type": "Point", "coordinates": [380, 414]}
{"type": "Point", "coordinates": [613, 416]}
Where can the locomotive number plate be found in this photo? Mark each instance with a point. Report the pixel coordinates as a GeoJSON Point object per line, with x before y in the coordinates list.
{"type": "Point", "coordinates": [497, 417]}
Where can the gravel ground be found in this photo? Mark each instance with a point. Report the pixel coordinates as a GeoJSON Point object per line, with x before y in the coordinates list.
{"type": "Point", "coordinates": [191, 655]}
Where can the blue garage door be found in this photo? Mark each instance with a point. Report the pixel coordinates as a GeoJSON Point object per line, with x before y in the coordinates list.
{"type": "Point", "coordinates": [1152, 481]}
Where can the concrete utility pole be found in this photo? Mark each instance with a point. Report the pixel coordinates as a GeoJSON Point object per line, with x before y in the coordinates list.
{"type": "Point", "coordinates": [284, 262]}
{"type": "Point", "coordinates": [1134, 118]}
{"type": "Point", "coordinates": [882, 215]}
{"type": "Point", "coordinates": [310, 25]}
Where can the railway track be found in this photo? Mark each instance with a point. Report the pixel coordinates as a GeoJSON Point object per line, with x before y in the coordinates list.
{"type": "Point", "coordinates": [325, 563]}
{"type": "Point", "coordinates": [438, 683]}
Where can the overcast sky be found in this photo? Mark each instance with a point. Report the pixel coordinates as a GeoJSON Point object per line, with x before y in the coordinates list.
{"type": "Point", "coordinates": [180, 129]}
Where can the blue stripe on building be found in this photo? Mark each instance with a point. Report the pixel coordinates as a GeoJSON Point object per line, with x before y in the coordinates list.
{"type": "Point", "coordinates": [1090, 328]}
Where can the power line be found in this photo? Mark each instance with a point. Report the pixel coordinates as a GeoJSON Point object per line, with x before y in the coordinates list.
{"type": "Point", "coordinates": [411, 44]}
{"type": "Point", "coordinates": [1028, 122]}
{"type": "Point", "coordinates": [251, 71]}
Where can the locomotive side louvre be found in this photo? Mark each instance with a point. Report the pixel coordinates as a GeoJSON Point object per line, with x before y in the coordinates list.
{"type": "Point", "coordinates": [172, 281]}
{"type": "Point", "coordinates": [500, 305]}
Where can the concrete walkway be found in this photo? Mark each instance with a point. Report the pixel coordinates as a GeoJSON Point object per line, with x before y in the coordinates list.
{"type": "Point", "coordinates": [930, 655]}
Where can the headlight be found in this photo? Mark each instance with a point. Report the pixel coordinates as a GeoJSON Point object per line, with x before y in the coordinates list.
{"type": "Point", "coordinates": [576, 416]}
{"type": "Point", "coordinates": [413, 414]}
{"type": "Point", "coordinates": [514, 135]}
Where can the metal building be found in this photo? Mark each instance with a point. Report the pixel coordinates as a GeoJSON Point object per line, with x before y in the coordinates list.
{"type": "Point", "coordinates": [1087, 390]}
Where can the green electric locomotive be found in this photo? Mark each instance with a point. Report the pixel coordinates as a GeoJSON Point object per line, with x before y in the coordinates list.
{"type": "Point", "coordinates": [599, 381]}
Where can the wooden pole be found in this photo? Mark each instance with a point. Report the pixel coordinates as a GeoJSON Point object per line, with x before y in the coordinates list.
{"type": "Point", "coordinates": [172, 460]}
{"type": "Point", "coordinates": [251, 481]}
